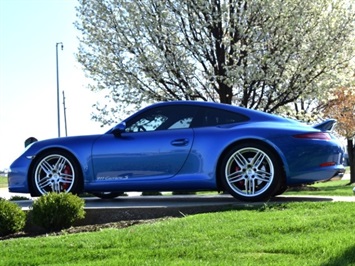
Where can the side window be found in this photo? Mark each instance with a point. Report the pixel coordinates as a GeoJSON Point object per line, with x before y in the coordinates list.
{"type": "Point", "coordinates": [147, 123]}
{"type": "Point", "coordinates": [162, 118]}
{"type": "Point", "coordinates": [214, 117]}
{"type": "Point", "coordinates": [182, 123]}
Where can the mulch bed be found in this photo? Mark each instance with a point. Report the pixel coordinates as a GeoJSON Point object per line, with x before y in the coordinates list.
{"type": "Point", "coordinates": [81, 229]}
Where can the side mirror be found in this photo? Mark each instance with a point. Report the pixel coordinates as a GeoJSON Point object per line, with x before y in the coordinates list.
{"type": "Point", "coordinates": [29, 141]}
{"type": "Point", "coordinates": [119, 129]}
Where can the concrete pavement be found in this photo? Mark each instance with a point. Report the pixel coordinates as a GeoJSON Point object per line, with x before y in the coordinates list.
{"type": "Point", "coordinates": [136, 207]}
{"type": "Point", "coordinates": [151, 207]}
{"type": "Point", "coordinates": [5, 194]}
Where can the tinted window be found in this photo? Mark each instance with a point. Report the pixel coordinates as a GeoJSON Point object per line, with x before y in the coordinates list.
{"type": "Point", "coordinates": [214, 117]}
{"type": "Point", "coordinates": [162, 118]}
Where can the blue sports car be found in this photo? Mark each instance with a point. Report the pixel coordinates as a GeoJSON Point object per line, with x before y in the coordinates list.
{"type": "Point", "coordinates": [184, 146]}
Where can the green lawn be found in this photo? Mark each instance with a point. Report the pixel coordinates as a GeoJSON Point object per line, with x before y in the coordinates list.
{"type": "Point", "coordinates": [3, 181]}
{"type": "Point", "coordinates": [330, 188]}
{"type": "Point", "coordinates": [289, 234]}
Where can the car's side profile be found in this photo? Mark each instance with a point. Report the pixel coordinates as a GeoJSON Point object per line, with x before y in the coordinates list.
{"type": "Point", "coordinates": [184, 145]}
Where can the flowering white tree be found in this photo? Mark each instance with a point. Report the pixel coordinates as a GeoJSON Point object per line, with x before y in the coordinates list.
{"type": "Point", "coordinates": [254, 53]}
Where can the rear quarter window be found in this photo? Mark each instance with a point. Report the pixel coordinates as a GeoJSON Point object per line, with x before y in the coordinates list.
{"type": "Point", "coordinates": [215, 117]}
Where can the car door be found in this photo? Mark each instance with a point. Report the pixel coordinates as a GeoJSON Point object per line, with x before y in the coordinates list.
{"type": "Point", "coordinates": [155, 145]}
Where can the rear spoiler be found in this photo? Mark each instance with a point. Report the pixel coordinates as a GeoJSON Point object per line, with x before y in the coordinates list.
{"type": "Point", "coordinates": [326, 125]}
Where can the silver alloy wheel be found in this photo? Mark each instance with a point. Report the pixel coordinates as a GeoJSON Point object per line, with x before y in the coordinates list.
{"type": "Point", "coordinates": [54, 173]}
{"type": "Point", "coordinates": [249, 172]}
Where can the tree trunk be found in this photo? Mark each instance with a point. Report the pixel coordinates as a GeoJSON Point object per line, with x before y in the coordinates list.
{"type": "Point", "coordinates": [351, 153]}
{"type": "Point", "coordinates": [225, 93]}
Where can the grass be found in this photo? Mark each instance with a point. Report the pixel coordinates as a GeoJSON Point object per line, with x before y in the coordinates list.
{"type": "Point", "coordinates": [3, 181]}
{"type": "Point", "coordinates": [330, 188]}
{"type": "Point", "coordinates": [290, 234]}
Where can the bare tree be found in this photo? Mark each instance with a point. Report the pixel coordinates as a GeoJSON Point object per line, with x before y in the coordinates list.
{"type": "Point", "coordinates": [254, 53]}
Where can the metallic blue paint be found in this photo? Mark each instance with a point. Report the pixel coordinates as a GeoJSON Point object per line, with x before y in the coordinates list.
{"type": "Point", "coordinates": [183, 159]}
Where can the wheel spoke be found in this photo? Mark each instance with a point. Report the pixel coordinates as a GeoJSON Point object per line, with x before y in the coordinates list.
{"type": "Point", "coordinates": [240, 160]}
{"type": "Point", "coordinates": [246, 186]}
{"type": "Point", "coordinates": [46, 167]}
{"type": "Point", "coordinates": [258, 159]}
{"type": "Point", "coordinates": [56, 187]}
{"type": "Point", "coordinates": [252, 186]}
{"type": "Point", "coordinates": [235, 177]}
{"type": "Point", "coordinates": [66, 181]}
{"type": "Point", "coordinates": [66, 176]}
{"type": "Point", "coordinates": [249, 186]}
{"type": "Point", "coordinates": [44, 182]}
{"type": "Point", "coordinates": [263, 175]}
{"type": "Point", "coordinates": [60, 164]}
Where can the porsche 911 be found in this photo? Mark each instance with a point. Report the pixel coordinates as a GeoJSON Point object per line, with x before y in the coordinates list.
{"type": "Point", "coordinates": [184, 146]}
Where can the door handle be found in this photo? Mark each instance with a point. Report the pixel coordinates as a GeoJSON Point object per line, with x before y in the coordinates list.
{"type": "Point", "coordinates": [180, 142]}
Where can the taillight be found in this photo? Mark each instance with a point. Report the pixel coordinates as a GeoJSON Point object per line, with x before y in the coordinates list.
{"type": "Point", "coordinates": [327, 164]}
{"type": "Point", "coordinates": [313, 135]}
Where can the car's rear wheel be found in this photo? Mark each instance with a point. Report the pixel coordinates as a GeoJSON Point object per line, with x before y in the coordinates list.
{"type": "Point", "coordinates": [55, 171]}
{"type": "Point", "coordinates": [251, 172]}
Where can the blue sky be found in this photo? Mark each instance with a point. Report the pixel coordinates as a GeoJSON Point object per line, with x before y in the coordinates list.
{"type": "Point", "coordinates": [29, 31]}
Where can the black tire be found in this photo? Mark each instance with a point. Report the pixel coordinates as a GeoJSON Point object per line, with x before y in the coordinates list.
{"type": "Point", "coordinates": [55, 171]}
{"type": "Point", "coordinates": [280, 191]}
{"type": "Point", "coordinates": [251, 172]}
{"type": "Point", "coordinates": [108, 195]}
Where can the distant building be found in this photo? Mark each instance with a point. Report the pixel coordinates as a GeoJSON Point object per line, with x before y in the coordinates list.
{"type": "Point", "coordinates": [4, 172]}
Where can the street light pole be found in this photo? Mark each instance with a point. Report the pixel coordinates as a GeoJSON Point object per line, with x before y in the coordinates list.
{"type": "Point", "coordinates": [65, 116]}
{"type": "Point", "coordinates": [58, 112]}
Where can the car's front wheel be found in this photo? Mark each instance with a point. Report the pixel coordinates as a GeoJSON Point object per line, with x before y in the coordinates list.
{"type": "Point", "coordinates": [251, 172]}
{"type": "Point", "coordinates": [55, 171]}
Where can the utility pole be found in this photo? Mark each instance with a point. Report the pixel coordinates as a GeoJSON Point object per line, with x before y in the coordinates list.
{"type": "Point", "coordinates": [58, 112]}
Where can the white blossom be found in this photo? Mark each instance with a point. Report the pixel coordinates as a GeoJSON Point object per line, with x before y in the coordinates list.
{"type": "Point", "coordinates": [267, 55]}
